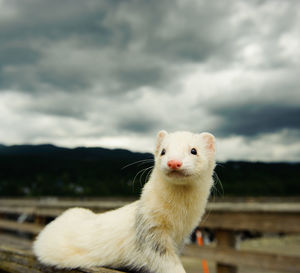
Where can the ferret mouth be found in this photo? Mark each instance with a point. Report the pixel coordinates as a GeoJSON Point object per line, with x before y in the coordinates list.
{"type": "Point", "coordinates": [177, 174]}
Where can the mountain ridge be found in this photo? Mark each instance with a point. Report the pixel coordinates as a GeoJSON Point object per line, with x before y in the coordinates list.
{"type": "Point", "coordinates": [46, 169]}
{"type": "Point", "coordinates": [48, 149]}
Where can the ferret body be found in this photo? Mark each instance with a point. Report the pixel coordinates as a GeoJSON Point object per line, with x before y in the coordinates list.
{"type": "Point", "coordinates": [145, 234]}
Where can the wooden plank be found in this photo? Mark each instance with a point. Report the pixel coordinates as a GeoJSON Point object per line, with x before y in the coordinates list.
{"type": "Point", "coordinates": [256, 259]}
{"type": "Point", "coordinates": [263, 222]}
{"type": "Point", "coordinates": [225, 238]}
{"type": "Point", "coordinates": [60, 203]}
{"type": "Point", "coordinates": [114, 203]}
{"type": "Point", "coordinates": [258, 217]}
{"type": "Point", "coordinates": [45, 212]}
{"type": "Point", "coordinates": [23, 227]}
{"type": "Point", "coordinates": [15, 241]}
{"type": "Point", "coordinates": [20, 261]}
{"type": "Point", "coordinates": [278, 207]}
{"type": "Point", "coordinates": [256, 221]}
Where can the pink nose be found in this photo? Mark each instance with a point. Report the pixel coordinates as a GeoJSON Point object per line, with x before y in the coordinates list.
{"type": "Point", "coordinates": [174, 164]}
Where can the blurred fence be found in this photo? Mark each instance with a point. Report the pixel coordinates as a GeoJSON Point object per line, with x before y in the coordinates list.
{"type": "Point", "coordinates": [26, 217]}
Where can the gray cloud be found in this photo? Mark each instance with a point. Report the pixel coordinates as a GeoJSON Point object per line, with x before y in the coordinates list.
{"type": "Point", "coordinates": [142, 40]}
{"type": "Point", "coordinates": [76, 45]}
{"type": "Point", "coordinates": [18, 55]}
{"type": "Point", "coordinates": [268, 106]}
{"type": "Point", "coordinates": [251, 120]}
{"type": "Point", "coordinates": [139, 124]}
{"type": "Point", "coordinates": [123, 68]}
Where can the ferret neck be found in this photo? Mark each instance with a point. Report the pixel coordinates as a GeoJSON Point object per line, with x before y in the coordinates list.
{"type": "Point", "coordinates": [193, 193]}
{"type": "Point", "coordinates": [179, 207]}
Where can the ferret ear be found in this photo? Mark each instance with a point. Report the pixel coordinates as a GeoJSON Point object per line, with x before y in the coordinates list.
{"type": "Point", "coordinates": [160, 136]}
{"type": "Point", "coordinates": [209, 140]}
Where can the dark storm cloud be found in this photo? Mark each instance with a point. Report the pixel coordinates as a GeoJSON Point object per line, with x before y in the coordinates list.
{"type": "Point", "coordinates": [195, 34]}
{"type": "Point", "coordinates": [265, 106]}
{"type": "Point", "coordinates": [119, 68]}
{"type": "Point", "coordinates": [120, 46]}
{"type": "Point", "coordinates": [36, 27]}
{"type": "Point", "coordinates": [252, 119]}
{"type": "Point", "coordinates": [133, 43]}
{"type": "Point", "coordinates": [17, 55]}
{"type": "Point", "coordinates": [140, 124]}
{"type": "Point", "coordinates": [71, 80]}
{"type": "Point", "coordinates": [51, 20]}
{"type": "Point", "coordinates": [61, 108]}
{"type": "Point", "coordinates": [140, 76]}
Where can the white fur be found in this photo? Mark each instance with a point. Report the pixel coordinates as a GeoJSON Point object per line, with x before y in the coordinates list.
{"type": "Point", "coordinates": [148, 232]}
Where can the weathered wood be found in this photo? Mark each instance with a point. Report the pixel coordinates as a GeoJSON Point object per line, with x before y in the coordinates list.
{"type": "Point", "coordinates": [279, 207]}
{"type": "Point", "coordinates": [225, 239]}
{"type": "Point", "coordinates": [61, 203]}
{"type": "Point", "coordinates": [42, 211]}
{"type": "Point", "coordinates": [15, 241]}
{"type": "Point", "coordinates": [111, 204]}
{"type": "Point", "coordinates": [39, 220]}
{"type": "Point", "coordinates": [261, 217]}
{"type": "Point", "coordinates": [23, 227]}
{"type": "Point", "coordinates": [263, 221]}
{"type": "Point", "coordinates": [20, 261]}
{"type": "Point", "coordinates": [45, 212]}
{"type": "Point", "coordinates": [256, 259]}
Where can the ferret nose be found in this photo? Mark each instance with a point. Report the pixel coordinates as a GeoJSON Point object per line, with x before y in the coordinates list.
{"type": "Point", "coordinates": [174, 164]}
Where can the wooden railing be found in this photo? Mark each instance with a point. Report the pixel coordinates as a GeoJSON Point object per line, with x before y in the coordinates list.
{"type": "Point", "coordinates": [15, 260]}
{"type": "Point", "coordinates": [225, 219]}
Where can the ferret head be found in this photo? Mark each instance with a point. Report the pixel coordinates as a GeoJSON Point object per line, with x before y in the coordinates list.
{"type": "Point", "coordinates": [183, 156]}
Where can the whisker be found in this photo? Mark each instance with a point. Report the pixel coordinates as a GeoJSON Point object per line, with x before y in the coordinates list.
{"type": "Point", "coordinates": [141, 171]}
{"type": "Point", "coordinates": [149, 173]}
{"type": "Point", "coordinates": [217, 182]}
{"type": "Point", "coordinates": [145, 170]}
{"type": "Point", "coordinates": [141, 162]}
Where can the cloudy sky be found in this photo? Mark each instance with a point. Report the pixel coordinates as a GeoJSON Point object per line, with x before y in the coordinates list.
{"type": "Point", "coordinates": [112, 73]}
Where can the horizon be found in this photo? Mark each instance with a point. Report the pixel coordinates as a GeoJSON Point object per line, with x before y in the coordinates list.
{"type": "Point", "coordinates": [140, 152]}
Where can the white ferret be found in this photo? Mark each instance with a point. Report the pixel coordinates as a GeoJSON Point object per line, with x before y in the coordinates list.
{"type": "Point", "coordinates": [147, 234]}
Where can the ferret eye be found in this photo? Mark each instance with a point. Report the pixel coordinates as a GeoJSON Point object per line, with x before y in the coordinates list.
{"type": "Point", "coordinates": [193, 151]}
{"type": "Point", "coordinates": [163, 152]}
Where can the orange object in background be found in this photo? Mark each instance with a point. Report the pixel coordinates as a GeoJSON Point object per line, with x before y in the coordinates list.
{"type": "Point", "coordinates": [200, 243]}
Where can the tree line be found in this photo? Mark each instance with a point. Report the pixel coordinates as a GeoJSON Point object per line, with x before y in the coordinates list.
{"type": "Point", "coordinates": [47, 170]}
